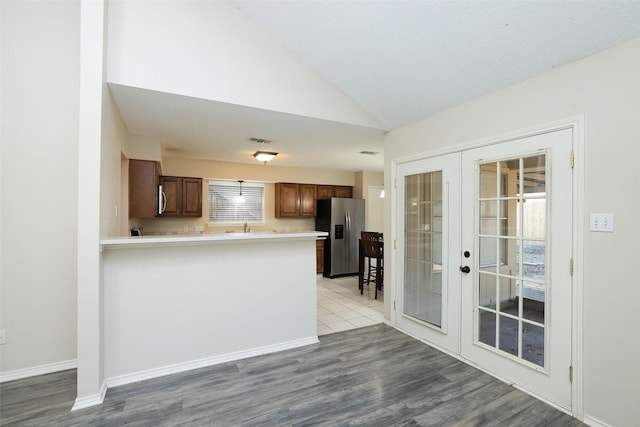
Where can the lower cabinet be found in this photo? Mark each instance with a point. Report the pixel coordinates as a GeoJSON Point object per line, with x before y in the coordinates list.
{"type": "Point", "coordinates": [320, 256]}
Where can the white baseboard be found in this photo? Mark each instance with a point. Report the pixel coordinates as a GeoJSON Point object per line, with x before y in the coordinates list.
{"type": "Point", "coordinates": [594, 422]}
{"type": "Point", "coordinates": [38, 370]}
{"type": "Point", "coordinates": [86, 402]}
{"type": "Point", "coordinates": [208, 361]}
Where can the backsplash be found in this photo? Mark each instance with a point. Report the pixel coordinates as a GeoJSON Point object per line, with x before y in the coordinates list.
{"type": "Point", "coordinates": [182, 225]}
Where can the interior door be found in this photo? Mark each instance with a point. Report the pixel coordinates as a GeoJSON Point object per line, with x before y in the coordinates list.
{"type": "Point", "coordinates": [428, 227]}
{"type": "Point", "coordinates": [517, 232]}
{"type": "Point", "coordinates": [484, 249]}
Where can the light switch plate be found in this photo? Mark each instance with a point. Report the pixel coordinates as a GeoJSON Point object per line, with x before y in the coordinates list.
{"type": "Point", "coordinates": [601, 222]}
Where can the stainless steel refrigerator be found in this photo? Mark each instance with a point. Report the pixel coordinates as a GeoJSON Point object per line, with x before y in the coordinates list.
{"type": "Point", "coordinates": [343, 219]}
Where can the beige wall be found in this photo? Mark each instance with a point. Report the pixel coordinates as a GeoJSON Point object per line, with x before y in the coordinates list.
{"type": "Point", "coordinates": [268, 174]}
{"type": "Point", "coordinates": [39, 137]}
{"type": "Point", "coordinates": [374, 207]}
{"type": "Point", "coordinates": [114, 143]}
{"type": "Point", "coordinates": [605, 89]}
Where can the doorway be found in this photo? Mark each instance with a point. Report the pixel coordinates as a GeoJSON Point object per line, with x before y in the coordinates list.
{"type": "Point", "coordinates": [484, 249]}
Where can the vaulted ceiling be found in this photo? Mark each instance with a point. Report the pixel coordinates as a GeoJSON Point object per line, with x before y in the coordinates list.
{"type": "Point", "coordinates": [399, 61]}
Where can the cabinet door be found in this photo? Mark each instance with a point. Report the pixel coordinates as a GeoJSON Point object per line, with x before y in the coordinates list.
{"type": "Point", "coordinates": [192, 197]}
{"type": "Point", "coordinates": [319, 256]}
{"type": "Point", "coordinates": [143, 188]}
{"type": "Point", "coordinates": [344, 191]}
{"type": "Point", "coordinates": [307, 194]}
{"type": "Point", "coordinates": [325, 191]}
{"type": "Point", "coordinates": [173, 195]}
{"type": "Point", "coordinates": [286, 200]}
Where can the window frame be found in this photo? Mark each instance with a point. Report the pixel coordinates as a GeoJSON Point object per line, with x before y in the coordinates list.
{"type": "Point", "coordinates": [246, 185]}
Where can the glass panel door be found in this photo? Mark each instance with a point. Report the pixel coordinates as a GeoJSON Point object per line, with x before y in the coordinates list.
{"type": "Point", "coordinates": [427, 292]}
{"type": "Point", "coordinates": [511, 283]}
{"type": "Point", "coordinates": [516, 224]}
{"type": "Point", "coordinates": [423, 247]}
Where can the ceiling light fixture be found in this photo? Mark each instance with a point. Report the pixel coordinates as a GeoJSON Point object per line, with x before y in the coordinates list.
{"type": "Point", "coordinates": [264, 156]}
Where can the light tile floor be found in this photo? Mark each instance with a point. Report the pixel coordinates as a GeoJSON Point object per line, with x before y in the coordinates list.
{"type": "Point", "coordinates": [341, 307]}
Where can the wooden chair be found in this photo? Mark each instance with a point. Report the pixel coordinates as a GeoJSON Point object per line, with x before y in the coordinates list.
{"type": "Point", "coordinates": [371, 246]}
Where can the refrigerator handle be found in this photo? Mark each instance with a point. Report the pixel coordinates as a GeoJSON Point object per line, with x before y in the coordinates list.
{"type": "Point", "coordinates": [348, 236]}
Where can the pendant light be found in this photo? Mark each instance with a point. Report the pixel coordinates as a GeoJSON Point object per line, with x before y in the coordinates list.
{"type": "Point", "coordinates": [240, 198]}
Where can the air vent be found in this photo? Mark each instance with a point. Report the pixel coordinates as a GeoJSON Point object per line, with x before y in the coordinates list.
{"type": "Point", "coordinates": [370, 153]}
{"type": "Point", "coordinates": [260, 140]}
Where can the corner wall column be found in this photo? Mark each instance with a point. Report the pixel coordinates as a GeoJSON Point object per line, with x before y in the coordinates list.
{"type": "Point", "coordinates": [91, 387]}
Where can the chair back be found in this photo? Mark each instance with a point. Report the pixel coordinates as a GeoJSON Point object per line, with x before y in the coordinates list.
{"type": "Point", "coordinates": [371, 246]}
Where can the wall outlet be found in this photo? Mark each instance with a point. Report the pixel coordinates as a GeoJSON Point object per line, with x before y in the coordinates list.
{"type": "Point", "coordinates": [3, 336]}
{"type": "Point", "coordinates": [199, 227]}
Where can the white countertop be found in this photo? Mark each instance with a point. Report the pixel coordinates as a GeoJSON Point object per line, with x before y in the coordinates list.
{"type": "Point", "coordinates": [207, 239]}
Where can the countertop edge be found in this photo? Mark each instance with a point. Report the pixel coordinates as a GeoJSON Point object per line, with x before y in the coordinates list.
{"type": "Point", "coordinates": [206, 239]}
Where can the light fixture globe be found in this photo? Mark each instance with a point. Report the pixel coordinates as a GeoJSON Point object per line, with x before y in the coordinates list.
{"type": "Point", "coordinates": [264, 156]}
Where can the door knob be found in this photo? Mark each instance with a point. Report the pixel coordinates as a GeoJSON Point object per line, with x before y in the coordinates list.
{"type": "Point", "coordinates": [465, 269]}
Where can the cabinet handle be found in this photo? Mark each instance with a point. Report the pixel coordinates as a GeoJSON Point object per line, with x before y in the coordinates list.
{"type": "Point", "coordinates": [164, 202]}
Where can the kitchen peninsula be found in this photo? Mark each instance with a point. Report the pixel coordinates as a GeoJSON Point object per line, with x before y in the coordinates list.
{"type": "Point", "coordinates": [178, 302]}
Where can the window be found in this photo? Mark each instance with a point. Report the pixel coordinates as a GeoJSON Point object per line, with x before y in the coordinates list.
{"type": "Point", "coordinates": [227, 207]}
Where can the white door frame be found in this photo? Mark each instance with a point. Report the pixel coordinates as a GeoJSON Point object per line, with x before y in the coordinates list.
{"type": "Point", "coordinates": [577, 125]}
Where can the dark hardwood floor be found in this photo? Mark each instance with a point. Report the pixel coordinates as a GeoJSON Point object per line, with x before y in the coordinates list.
{"type": "Point", "coordinates": [374, 376]}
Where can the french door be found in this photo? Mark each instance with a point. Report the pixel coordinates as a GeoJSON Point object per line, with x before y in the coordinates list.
{"type": "Point", "coordinates": [485, 246]}
{"type": "Point", "coordinates": [429, 303]}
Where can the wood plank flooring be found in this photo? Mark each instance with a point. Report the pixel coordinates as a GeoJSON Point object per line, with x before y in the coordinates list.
{"type": "Point", "coordinates": [374, 376]}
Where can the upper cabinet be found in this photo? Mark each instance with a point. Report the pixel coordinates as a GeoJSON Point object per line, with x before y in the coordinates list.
{"type": "Point", "coordinates": [144, 177]}
{"type": "Point", "coordinates": [299, 200]}
{"type": "Point", "coordinates": [295, 200]}
{"type": "Point", "coordinates": [343, 191]}
{"type": "Point", "coordinates": [326, 191]}
{"type": "Point", "coordinates": [182, 197]}
{"type": "Point", "coordinates": [192, 197]}
{"type": "Point", "coordinates": [329, 191]}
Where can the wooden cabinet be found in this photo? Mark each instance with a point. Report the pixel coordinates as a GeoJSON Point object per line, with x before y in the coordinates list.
{"type": "Point", "coordinates": [170, 196]}
{"type": "Point", "coordinates": [325, 191]}
{"type": "Point", "coordinates": [192, 197]}
{"type": "Point", "coordinates": [144, 177]}
{"type": "Point", "coordinates": [307, 194]}
{"type": "Point", "coordinates": [329, 191]}
{"type": "Point", "coordinates": [182, 196]}
{"type": "Point", "coordinates": [295, 200]}
{"type": "Point", "coordinates": [286, 200]}
{"type": "Point", "coordinates": [343, 191]}
{"type": "Point", "coordinates": [320, 256]}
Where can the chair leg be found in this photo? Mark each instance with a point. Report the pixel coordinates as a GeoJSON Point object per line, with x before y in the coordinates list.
{"type": "Point", "coordinates": [378, 277]}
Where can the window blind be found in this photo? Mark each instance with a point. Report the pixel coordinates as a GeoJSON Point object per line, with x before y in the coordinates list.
{"type": "Point", "coordinates": [227, 207]}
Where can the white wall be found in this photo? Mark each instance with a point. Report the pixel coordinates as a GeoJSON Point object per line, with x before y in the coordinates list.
{"type": "Point", "coordinates": [605, 88]}
{"type": "Point", "coordinates": [169, 46]}
{"type": "Point", "coordinates": [39, 137]}
{"type": "Point", "coordinates": [90, 383]}
{"type": "Point", "coordinates": [165, 310]}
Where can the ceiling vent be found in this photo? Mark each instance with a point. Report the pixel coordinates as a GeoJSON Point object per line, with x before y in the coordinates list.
{"type": "Point", "coordinates": [260, 140]}
{"type": "Point", "coordinates": [370, 153]}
